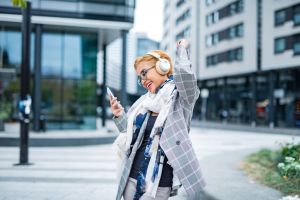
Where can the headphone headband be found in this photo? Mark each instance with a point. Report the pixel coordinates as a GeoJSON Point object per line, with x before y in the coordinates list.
{"type": "Point", "coordinates": [154, 54]}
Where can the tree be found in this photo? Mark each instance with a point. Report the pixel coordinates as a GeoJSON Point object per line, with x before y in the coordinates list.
{"type": "Point", "coordinates": [19, 3]}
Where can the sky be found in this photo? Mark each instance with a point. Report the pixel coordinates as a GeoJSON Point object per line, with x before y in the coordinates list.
{"type": "Point", "coordinates": [149, 18]}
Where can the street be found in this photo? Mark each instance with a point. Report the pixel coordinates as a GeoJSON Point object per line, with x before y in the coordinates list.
{"type": "Point", "coordinates": [71, 173]}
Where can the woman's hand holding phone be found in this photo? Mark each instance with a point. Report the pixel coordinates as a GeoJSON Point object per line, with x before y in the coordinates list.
{"type": "Point", "coordinates": [115, 106]}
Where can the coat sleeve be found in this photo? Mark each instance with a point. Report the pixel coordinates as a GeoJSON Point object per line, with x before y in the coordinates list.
{"type": "Point", "coordinates": [121, 122]}
{"type": "Point", "coordinates": [184, 77]}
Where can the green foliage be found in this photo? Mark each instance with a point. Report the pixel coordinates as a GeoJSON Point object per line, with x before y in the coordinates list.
{"type": "Point", "coordinates": [5, 110]}
{"type": "Point", "coordinates": [290, 150]}
{"type": "Point", "coordinates": [279, 169]}
{"type": "Point", "coordinates": [19, 3]}
{"type": "Point", "coordinates": [289, 165]}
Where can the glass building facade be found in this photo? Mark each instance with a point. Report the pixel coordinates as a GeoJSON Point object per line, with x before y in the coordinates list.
{"type": "Point", "coordinates": [260, 98]}
{"type": "Point", "coordinates": [66, 38]}
{"type": "Point", "coordinates": [68, 77]}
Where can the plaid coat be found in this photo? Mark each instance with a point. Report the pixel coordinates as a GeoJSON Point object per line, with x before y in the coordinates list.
{"type": "Point", "coordinates": [174, 140]}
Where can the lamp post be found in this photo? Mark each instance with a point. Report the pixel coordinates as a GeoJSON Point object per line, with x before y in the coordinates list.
{"type": "Point", "coordinates": [25, 98]}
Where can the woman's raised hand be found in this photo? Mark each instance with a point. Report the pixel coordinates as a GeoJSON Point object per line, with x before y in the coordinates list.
{"type": "Point", "coordinates": [183, 42]}
{"type": "Point", "coordinates": [115, 106]}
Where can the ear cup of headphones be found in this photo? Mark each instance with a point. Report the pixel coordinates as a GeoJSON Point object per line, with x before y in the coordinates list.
{"type": "Point", "coordinates": [162, 66]}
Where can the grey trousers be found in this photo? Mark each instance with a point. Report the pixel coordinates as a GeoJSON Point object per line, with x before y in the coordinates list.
{"type": "Point", "coordinates": [163, 193]}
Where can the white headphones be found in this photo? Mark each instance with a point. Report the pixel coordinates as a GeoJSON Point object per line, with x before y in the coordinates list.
{"type": "Point", "coordinates": [162, 66]}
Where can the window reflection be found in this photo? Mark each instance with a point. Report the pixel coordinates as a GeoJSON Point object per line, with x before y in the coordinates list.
{"type": "Point", "coordinates": [72, 57]}
{"type": "Point", "coordinates": [52, 54]}
{"type": "Point", "coordinates": [69, 80]}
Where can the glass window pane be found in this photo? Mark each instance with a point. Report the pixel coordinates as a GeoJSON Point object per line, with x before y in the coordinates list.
{"type": "Point", "coordinates": [208, 40]}
{"type": "Point", "coordinates": [297, 48]}
{"type": "Point", "coordinates": [216, 16]}
{"type": "Point", "coordinates": [239, 54]}
{"type": "Point", "coordinates": [232, 32]}
{"type": "Point", "coordinates": [232, 8]}
{"type": "Point", "coordinates": [215, 38]}
{"type": "Point", "coordinates": [52, 54]}
{"type": "Point", "coordinates": [279, 45]}
{"type": "Point", "coordinates": [51, 105]}
{"type": "Point", "coordinates": [240, 30]}
{"type": "Point", "coordinates": [296, 17]}
{"type": "Point", "coordinates": [89, 56]}
{"type": "Point", "coordinates": [72, 57]}
{"type": "Point", "coordinates": [10, 49]}
{"type": "Point", "coordinates": [280, 17]}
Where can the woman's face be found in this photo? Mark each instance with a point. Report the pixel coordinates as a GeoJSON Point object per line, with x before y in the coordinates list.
{"type": "Point", "coordinates": [151, 79]}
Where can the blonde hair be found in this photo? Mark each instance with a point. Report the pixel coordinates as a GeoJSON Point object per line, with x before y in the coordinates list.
{"type": "Point", "coordinates": [149, 58]}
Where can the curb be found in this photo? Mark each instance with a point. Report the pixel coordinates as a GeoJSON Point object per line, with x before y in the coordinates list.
{"type": "Point", "coordinates": [58, 142]}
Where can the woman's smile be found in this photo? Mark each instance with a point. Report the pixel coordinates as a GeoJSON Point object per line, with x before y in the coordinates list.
{"type": "Point", "coordinates": [147, 85]}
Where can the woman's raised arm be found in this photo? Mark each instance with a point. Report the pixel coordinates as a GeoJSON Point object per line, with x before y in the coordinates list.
{"type": "Point", "coordinates": [184, 77]}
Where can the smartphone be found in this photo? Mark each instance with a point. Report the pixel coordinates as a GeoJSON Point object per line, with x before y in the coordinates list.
{"type": "Point", "coordinates": [109, 92]}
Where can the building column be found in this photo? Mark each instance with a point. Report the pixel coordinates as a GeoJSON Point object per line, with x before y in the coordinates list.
{"type": "Point", "coordinates": [225, 102]}
{"type": "Point", "coordinates": [124, 71]}
{"type": "Point", "coordinates": [37, 78]}
{"type": "Point", "coordinates": [253, 99]}
{"type": "Point", "coordinates": [104, 48]}
{"type": "Point", "coordinates": [271, 77]}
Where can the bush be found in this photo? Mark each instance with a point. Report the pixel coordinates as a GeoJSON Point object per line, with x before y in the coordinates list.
{"type": "Point", "coordinates": [289, 165]}
{"type": "Point", "coordinates": [278, 169]}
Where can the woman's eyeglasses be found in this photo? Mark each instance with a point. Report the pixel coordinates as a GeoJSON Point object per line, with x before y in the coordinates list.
{"type": "Point", "coordinates": [143, 75]}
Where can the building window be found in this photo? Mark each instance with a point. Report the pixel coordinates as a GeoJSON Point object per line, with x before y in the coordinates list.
{"type": "Point", "coordinates": [296, 16]}
{"type": "Point", "coordinates": [231, 56]}
{"type": "Point", "coordinates": [240, 30]}
{"type": "Point", "coordinates": [214, 59]}
{"type": "Point", "coordinates": [228, 10]}
{"type": "Point", "coordinates": [236, 31]}
{"type": "Point", "coordinates": [239, 54]}
{"type": "Point", "coordinates": [227, 56]}
{"type": "Point", "coordinates": [232, 32]}
{"type": "Point", "coordinates": [183, 17]}
{"type": "Point", "coordinates": [184, 34]}
{"type": "Point", "coordinates": [235, 55]}
{"type": "Point", "coordinates": [208, 40]}
{"type": "Point", "coordinates": [208, 61]}
{"type": "Point", "coordinates": [240, 6]}
{"type": "Point", "coordinates": [236, 7]}
{"type": "Point", "coordinates": [280, 17]}
{"type": "Point", "coordinates": [229, 33]}
{"type": "Point", "coordinates": [215, 38]}
{"type": "Point", "coordinates": [209, 20]}
{"type": "Point", "coordinates": [279, 45]}
{"type": "Point", "coordinates": [232, 9]}
{"type": "Point", "coordinates": [296, 46]}
{"type": "Point", "coordinates": [209, 2]}
{"type": "Point", "coordinates": [215, 17]}
{"type": "Point", "coordinates": [180, 3]}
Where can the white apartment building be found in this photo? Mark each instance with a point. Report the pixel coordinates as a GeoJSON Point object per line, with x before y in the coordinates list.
{"type": "Point", "coordinates": [247, 58]}
{"type": "Point", "coordinates": [226, 27]}
{"type": "Point", "coordinates": [180, 16]}
{"type": "Point", "coordinates": [281, 34]}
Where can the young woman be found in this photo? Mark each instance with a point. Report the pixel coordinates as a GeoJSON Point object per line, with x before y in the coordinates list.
{"type": "Point", "coordinates": [158, 156]}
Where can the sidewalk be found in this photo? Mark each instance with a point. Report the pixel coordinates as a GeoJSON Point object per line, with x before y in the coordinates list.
{"type": "Point", "coordinates": [244, 127]}
{"type": "Point", "coordinates": [227, 182]}
{"type": "Point", "coordinates": [60, 138]}
{"type": "Point", "coordinates": [87, 172]}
